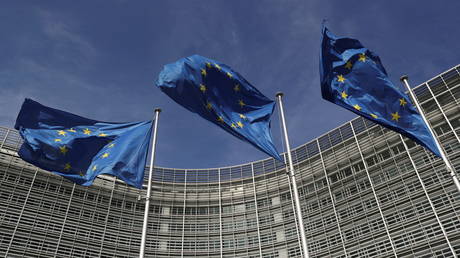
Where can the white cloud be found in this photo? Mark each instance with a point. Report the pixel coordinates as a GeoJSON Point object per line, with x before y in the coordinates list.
{"type": "Point", "coordinates": [67, 44]}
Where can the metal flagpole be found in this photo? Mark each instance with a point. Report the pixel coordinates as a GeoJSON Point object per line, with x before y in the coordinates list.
{"type": "Point", "coordinates": [404, 79]}
{"type": "Point", "coordinates": [149, 184]}
{"type": "Point", "coordinates": [428, 197]}
{"type": "Point", "coordinates": [303, 239]}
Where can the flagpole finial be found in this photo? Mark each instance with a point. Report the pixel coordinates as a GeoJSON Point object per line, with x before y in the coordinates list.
{"type": "Point", "coordinates": [404, 78]}
{"type": "Point", "coordinates": [158, 110]}
{"type": "Point", "coordinates": [280, 94]}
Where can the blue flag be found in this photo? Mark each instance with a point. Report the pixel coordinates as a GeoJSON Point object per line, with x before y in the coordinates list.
{"type": "Point", "coordinates": [353, 77]}
{"type": "Point", "coordinates": [219, 94]}
{"type": "Point", "coordinates": [80, 149]}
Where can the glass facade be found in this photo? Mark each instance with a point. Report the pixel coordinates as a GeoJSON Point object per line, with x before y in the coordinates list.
{"type": "Point", "coordinates": [361, 197]}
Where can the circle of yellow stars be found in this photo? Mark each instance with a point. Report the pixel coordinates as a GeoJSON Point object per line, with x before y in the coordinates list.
{"type": "Point", "coordinates": [63, 150]}
{"type": "Point", "coordinates": [236, 88]}
{"type": "Point", "coordinates": [344, 95]}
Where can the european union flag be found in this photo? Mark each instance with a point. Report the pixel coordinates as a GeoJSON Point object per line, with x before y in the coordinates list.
{"type": "Point", "coordinates": [353, 77]}
{"type": "Point", "coordinates": [219, 94]}
{"type": "Point", "coordinates": [80, 149]}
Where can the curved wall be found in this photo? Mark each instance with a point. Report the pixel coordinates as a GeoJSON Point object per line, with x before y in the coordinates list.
{"type": "Point", "coordinates": [246, 210]}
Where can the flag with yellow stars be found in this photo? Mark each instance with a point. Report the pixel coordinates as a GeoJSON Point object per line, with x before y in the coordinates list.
{"type": "Point", "coordinates": [80, 149]}
{"type": "Point", "coordinates": [353, 77]}
{"type": "Point", "coordinates": [222, 96]}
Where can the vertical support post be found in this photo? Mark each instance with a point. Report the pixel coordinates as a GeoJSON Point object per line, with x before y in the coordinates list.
{"type": "Point", "coordinates": [303, 239]}
{"type": "Point", "coordinates": [442, 112]}
{"type": "Point", "coordinates": [4, 139]}
{"type": "Point", "coordinates": [65, 220]}
{"type": "Point", "coordinates": [107, 216]}
{"type": "Point", "coordinates": [183, 214]}
{"type": "Point", "coordinates": [22, 212]}
{"type": "Point", "coordinates": [257, 209]}
{"type": "Point", "coordinates": [332, 198]}
{"type": "Point", "coordinates": [428, 197]}
{"type": "Point", "coordinates": [293, 207]}
{"type": "Point", "coordinates": [373, 190]}
{"type": "Point", "coordinates": [149, 184]}
{"type": "Point", "coordinates": [404, 79]}
{"type": "Point", "coordinates": [220, 218]}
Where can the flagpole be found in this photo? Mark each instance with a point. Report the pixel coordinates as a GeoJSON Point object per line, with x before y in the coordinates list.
{"type": "Point", "coordinates": [149, 184]}
{"type": "Point", "coordinates": [298, 210]}
{"type": "Point", "coordinates": [428, 197]}
{"type": "Point", "coordinates": [405, 79]}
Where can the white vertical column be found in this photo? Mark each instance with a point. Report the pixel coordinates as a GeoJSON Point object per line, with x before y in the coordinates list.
{"type": "Point", "coordinates": [4, 139]}
{"type": "Point", "coordinates": [91, 228]}
{"type": "Point", "coordinates": [443, 114]}
{"type": "Point", "coordinates": [257, 209]}
{"type": "Point", "coordinates": [303, 237]}
{"type": "Point", "coordinates": [293, 207]}
{"type": "Point", "coordinates": [449, 167]}
{"type": "Point", "coordinates": [183, 213]}
{"type": "Point", "coordinates": [373, 190]}
{"type": "Point", "coordinates": [220, 218]}
{"type": "Point", "coordinates": [428, 197]}
{"type": "Point", "coordinates": [65, 219]}
{"type": "Point", "coordinates": [332, 198]}
{"type": "Point", "coordinates": [449, 90]}
{"type": "Point", "coordinates": [21, 213]}
{"type": "Point", "coordinates": [107, 216]}
{"type": "Point", "coordinates": [149, 184]}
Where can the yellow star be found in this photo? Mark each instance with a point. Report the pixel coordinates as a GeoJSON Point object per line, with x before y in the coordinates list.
{"type": "Point", "coordinates": [240, 124]}
{"type": "Point", "coordinates": [87, 131]}
{"type": "Point", "coordinates": [402, 102]}
{"type": "Point", "coordinates": [203, 72]}
{"type": "Point", "coordinates": [57, 140]}
{"type": "Point", "coordinates": [344, 95]}
{"type": "Point", "coordinates": [94, 168]}
{"type": "Point", "coordinates": [102, 134]}
{"type": "Point", "coordinates": [241, 103]}
{"type": "Point", "coordinates": [61, 132]}
{"type": "Point", "coordinates": [220, 119]}
{"type": "Point", "coordinates": [63, 149]}
{"type": "Point", "coordinates": [374, 116]}
{"type": "Point", "coordinates": [209, 105]}
{"type": "Point", "coordinates": [340, 78]}
{"type": "Point", "coordinates": [395, 116]}
{"type": "Point", "coordinates": [362, 57]}
{"type": "Point", "coordinates": [236, 88]}
{"type": "Point", "coordinates": [229, 75]}
{"type": "Point", "coordinates": [67, 166]}
{"type": "Point", "coordinates": [71, 130]}
{"type": "Point", "coordinates": [202, 88]}
{"type": "Point", "coordinates": [242, 116]}
{"type": "Point", "coordinates": [348, 65]}
{"type": "Point", "coordinates": [111, 145]}
{"type": "Point", "coordinates": [357, 107]}
{"type": "Point", "coordinates": [105, 155]}
{"type": "Point", "coordinates": [208, 64]}
{"type": "Point", "coordinates": [81, 173]}
{"type": "Point", "coordinates": [233, 125]}
{"type": "Point", "coordinates": [217, 66]}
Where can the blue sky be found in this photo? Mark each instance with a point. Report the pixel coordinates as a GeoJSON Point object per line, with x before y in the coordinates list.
{"type": "Point", "coordinates": [100, 59]}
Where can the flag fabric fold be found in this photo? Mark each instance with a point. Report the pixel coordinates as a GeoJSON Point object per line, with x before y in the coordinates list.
{"type": "Point", "coordinates": [80, 149]}
{"type": "Point", "coordinates": [353, 77]}
{"type": "Point", "coordinates": [222, 96]}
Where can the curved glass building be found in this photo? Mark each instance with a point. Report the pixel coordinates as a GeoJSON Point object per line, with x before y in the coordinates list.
{"type": "Point", "coordinates": [356, 202]}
